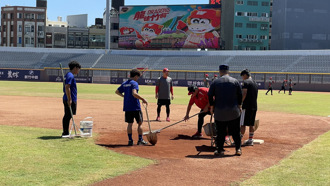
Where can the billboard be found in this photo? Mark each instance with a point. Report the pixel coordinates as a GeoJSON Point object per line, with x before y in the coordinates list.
{"type": "Point", "coordinates": [19, 75]}
{"type": "Point", "coordinates": [175, 26]}
{"type": "Point", "coordinates": [214, 2]}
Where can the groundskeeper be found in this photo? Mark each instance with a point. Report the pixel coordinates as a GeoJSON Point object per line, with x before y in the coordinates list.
{"type": "Point", "coordinates": [70, 96]}
{"type": "Point", "coordinates": [132, 108]}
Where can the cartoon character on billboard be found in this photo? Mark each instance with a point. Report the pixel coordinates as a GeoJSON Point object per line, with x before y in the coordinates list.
{"type": "Point", "coordinates": [148, 32]}
{"type": "Point", "coordinates": [201, 29]}
{"type": "Point", "coordinates": [126, 30]}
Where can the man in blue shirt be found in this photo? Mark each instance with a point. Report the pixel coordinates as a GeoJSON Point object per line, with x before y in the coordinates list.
{"type": "Point", "coordinates": [70, 96]}
{"type": "Point", "coordinates": [132, 107]}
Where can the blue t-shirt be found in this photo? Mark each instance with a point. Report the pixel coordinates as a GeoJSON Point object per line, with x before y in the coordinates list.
{"type": "Point", "coordinates": [130, 102]}
{"type": "Point", "coordinates": [69, 79]}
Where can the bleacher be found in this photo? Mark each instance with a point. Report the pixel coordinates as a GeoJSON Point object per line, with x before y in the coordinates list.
{"type": "Point", "coordinates": [317, 61]}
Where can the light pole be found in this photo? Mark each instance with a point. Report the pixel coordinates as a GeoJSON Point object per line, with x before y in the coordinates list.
{"type": "Point", "coordinates": [107, 26]}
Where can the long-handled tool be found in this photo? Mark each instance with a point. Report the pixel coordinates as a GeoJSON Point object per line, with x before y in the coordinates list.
{"type": "Point", "coordinates": [158, 131]}
{"type": "Point", "coordinates": [73, 123]}
{"type": "Point", "coordinates": [152, 137]}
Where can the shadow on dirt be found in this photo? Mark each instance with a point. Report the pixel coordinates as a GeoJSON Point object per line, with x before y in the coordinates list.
{"type": "Point", "coordinates": [186, 137]}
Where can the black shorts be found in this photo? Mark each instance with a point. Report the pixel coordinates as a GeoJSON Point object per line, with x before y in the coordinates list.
{"type": "Point", "coordinates": [248, 117]}
{"type": "Point", "coordinates": [163, 102]}
{"type": "Point", "coordinates": [67, 108]}
{"type": "Point", "coordinates": [131, 115]}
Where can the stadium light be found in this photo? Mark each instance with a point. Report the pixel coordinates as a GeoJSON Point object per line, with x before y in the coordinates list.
{"type": "Point", "coordinates": [107, 27]}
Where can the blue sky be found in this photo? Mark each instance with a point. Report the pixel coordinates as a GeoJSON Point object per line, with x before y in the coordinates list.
{"type": "Point", "coordinates": [94, 8]}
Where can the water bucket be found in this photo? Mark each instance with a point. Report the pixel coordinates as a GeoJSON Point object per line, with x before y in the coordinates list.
{"type": "Point", "coordinates": [86, 127]}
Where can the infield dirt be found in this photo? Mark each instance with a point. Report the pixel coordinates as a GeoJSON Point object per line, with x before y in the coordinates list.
{"type": "Point", "coordinates": [178, 160]}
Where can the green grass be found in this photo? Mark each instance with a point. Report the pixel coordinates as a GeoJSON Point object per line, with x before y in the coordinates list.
{"type": "Point", "coordinates": [306, 166]}
{"type": "Point", "coordinates": [33, 156]}
{"type": "Point", "coordinates": [307, 103]}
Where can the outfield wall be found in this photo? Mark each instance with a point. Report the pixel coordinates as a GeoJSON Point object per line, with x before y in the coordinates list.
{"type": "Point", "coordinates": [304, 81]}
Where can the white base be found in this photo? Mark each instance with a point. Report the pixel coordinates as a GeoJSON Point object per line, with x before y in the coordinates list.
{"type": "Point", "coordinates": [256, 141]}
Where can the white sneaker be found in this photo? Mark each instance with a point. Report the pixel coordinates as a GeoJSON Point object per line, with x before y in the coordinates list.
{"type": "Point", "coordinates": [249, 143]}
{"type": "Point", "coordinates": [65, 136]}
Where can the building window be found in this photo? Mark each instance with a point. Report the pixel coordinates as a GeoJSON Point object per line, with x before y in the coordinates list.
{"type": "Point", "coordinates": [264, 14]}
{"type": "Point", "coordinates": [263, 48]}
{"type": "Point", "coordinates": [240, 2]}
{"type": "Point", "coordinates": [239, 13]}
{"type": "Point", "coordinates": [239, 25]}
{"type": "Point", "coordinates": [19, 16]}
{"type": "Point", "coordinates": [32, 41]}
{"type": "Point", "coordinates": [264, 3]}
{"type": "Point", "coordinates": [32, 28]}
{"type": "Point", "coordinates": [115, 26]}
{"type": "Point", "coordinates": [19, 40]}
{"type": "Point", "coordinates": [251, 36]}
{"type": "Point", "coordinates": [251, 25]}
{"type": "Point", "coordinates": [252, 3]}
{"type": "Point", "coordinates": [239, 36]}
{"type": "Point", "coordinates": [19, 28]}
{"type": "Point", "coordinates": [298, 36]}
{"type": "Point", "coordinates": [11, 40]}
{"type": "Point", "coordinates": [11, 15]}
{"type": "Point", "coordinates": [3, 16]}
{"type": "Point", "coordinates": [40, 28]}
{"type": "Point", "coordinates": [27, 41]}
{"type": "Point", "coordinates": [11, 28]}
{"type": "Point", "coordinates": [252, 14]}
{"type": "Point", "coordinates": [41, 16]}
{"type": "Point", "coordinates": [263, 37]}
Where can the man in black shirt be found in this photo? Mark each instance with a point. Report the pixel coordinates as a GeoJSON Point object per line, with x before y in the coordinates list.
{"type": "Point", "coordinates": [250, 95]}
{"type": "Point", "coordinates": [283, 86]}
{"type": "Point", "coordinates": [225, 98]}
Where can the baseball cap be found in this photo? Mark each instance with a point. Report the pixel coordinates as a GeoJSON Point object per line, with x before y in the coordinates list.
{"type": "Point", "coordinates": [191, 89]}
{"type": "Point", "coordinates": [165, 70]}
{"type": "Point", "coordinates": [245, 72]}
{"type": "Point", "coordinates": [206, 75]}
{"type": "Point", "coordinates": [215, 75]}
{"type": "Point", "coordinates": [224, 67]}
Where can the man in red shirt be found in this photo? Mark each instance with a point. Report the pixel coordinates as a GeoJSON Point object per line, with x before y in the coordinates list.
{"type": "Point", "coordinates": [200, 98]}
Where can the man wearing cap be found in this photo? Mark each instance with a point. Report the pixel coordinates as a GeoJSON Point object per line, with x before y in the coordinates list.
{"type": "Point", "coordinates": [270, 86]}
{"type": "Point", "coordinates": [214, 77]}
{"type": "Point", "coordinates": [164, 87]}
{"type": "Point", "coordinates": [206, 81]}
{"type": "Point", "coordinates": [250, 96]}
{"type": "Point", "coordinates": [225, 98]}
{"type": "Point", "coordinates": [200, 98]}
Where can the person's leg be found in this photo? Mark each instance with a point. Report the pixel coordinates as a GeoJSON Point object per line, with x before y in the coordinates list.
{"type": "Point", "coordinates": [158, 110]}
{"type": "Point", "coordinates": [234, 127]}
{"type": "Point", "coordinates": [168, 110]}
{"type": "Point", "coordinates": [267, 91]}
{"type": "Point", "coordinates": [129, 119]}
{"type": "Point", "coordinates": [271, 91]}
{"type": "Point", "coordinates": [200, 121]}
{"type": "Point", "coordinates": [66, 119]}
{"type": "Point", "coordinates": [221, 134]}
{"type": "Point", "coordinates": [139, 119]}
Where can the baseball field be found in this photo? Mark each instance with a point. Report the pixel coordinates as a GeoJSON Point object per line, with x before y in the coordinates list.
{"type": "Point", "coordinates": [295, 130]}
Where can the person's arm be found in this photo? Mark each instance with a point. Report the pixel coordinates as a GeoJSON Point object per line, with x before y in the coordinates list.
{"type": "Point", "coordinates": [244, 92]}
{"type": "Point", "coordinates": [68, 93]}
{"type": "Point", "coordinates": [156, 92]}
{"type": "Point", "coordinates": [171, 89]}
{"type": "Point", "coordinates": [211, 95]}
{"type": "Point", "coordinates": [119, 94]}
{"type": "Point", "coordinates": [239, 95]}
{"type": "Point", "coordinates": [187, 113]}
{"type": "Point", "coordinates": [137, 96]}
{"type": "Point", "coordinates": [206, 108]}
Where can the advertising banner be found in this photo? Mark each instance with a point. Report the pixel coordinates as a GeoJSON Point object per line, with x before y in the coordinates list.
{"type": "Point", "coordinates": [20, 75]}
{"type": "Point", "coordinates": [78, 79]}
{"type": "Point", "coordinates": [175, 26]}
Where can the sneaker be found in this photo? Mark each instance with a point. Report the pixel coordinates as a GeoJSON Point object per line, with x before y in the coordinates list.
{"type": "Point", "coordinates": [158, 118]}
{"type": "Point", "coordinates": [249, 143]}
{"type": "Point", "coordinates": [66, 136]}
{"type": "Point", "coordinates": [168, 119]}
{"type": "Point", "coordinates": [197, 135]}
{"type": "Point", "coordinates": [142, 142]}
{"type": "Point", "coordinates": [238, 152]}
{"type": "Point", "coordinates": [130, 143]}
{"type": "Point", "coordinates": [219, 152]}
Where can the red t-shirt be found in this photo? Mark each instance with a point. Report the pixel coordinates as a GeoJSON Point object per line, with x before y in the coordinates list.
{"type": "Point", "coordinates": [201, 99]}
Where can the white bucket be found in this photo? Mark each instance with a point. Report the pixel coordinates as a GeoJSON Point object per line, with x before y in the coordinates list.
{"type": "Point", "coordinates": [86, 127]}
